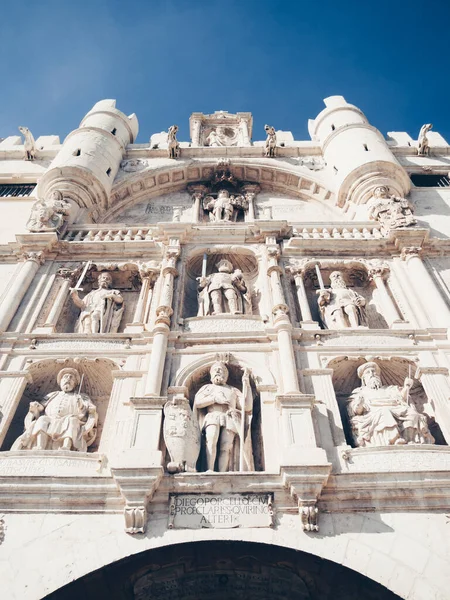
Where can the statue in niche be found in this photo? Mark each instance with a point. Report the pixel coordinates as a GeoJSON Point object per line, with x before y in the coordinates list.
{"type": "Point", "coordinates": [64, 420]}
{"type": "Point", "coordinates": [391, 211]}
{"type": "Point", "coordinates": [271, 141]}
{"type": "Point", "coordinates": [341, 307]}
{"type": "Point", "coordinates": [173, 145]}
{"type": "Point", "coordinates": [222, 292]}
{"type": "Point", "coordinates": [101, 309]}
{"type": "Point", "coordinates": [48, 215]}
{"type": "Point", "coordinates": [220, 136]}
{"type": "Point", "coordinates": [381, 415]}
{"type": "Point", "coordinates": [225, 207]}
{"type": "Point", "coordinates": [423, 148]}
{"type": "Point", "coordinates": [221, 408]}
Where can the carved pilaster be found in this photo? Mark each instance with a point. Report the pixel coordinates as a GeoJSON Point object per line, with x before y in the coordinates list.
{"type": "Point", "coordinates": [31, 262]}
{"type": "Point", "coordinates": [198, 191]}
{"type": "Point", "coordinates": [377, 273]}
{"type": "Point", "coordinates": [425, 288]}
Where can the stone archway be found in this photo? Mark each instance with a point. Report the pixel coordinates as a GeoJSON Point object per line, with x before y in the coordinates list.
{"type": "Point", "coordinates": [220, 570]}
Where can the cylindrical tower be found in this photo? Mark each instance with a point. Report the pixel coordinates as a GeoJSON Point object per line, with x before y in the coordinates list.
{"type": "Point", "coordinates": [357, 152]}
{"type": "Point", "coordinates": [85, 167]}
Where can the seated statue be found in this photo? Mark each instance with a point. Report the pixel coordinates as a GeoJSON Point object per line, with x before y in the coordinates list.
{"type": "Point", "coordinates": [101, 309]}
{"type": "Point", "coordinates": [381, 415]}
{"type": "Point", "coordinates": [64, 420]}
{"type": "Point", "coordinates": [341, 307]}
{"type": "Point", "coordinates": [222, 292]}
{"type": "Point", "coordinates": [219, 412]}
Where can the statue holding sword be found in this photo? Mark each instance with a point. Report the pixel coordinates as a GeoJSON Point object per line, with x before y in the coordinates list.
{"type": "Point", "coordinates": [101, 308]}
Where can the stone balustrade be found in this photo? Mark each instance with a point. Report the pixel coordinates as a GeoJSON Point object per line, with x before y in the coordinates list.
{"type": "Point", "coordinates": [104, 234]}
{"type": "Point", "coordinates": [347, 232]}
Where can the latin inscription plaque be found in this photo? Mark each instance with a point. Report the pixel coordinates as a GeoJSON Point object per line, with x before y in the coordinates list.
{"type": "Point", "coordinates": [220, 511]}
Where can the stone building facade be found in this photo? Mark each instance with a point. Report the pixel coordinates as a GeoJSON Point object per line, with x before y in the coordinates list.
{"type": "Point", "coordinates": [224, 363]}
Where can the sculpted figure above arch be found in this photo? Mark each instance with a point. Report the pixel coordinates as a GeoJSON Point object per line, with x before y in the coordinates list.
{"type": "Point", "coordinates": [382, 415]}
{"type": "Point", "coordinates": [64, 420]}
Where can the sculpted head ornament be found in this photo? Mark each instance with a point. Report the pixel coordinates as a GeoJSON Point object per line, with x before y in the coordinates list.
{"type": "Point", "coordinates": [219, 367]}
{"type": "Point", "coordinates": [68, 371]}
{"type": "Point", "coordinates": [224, 266]}
{"type": "Point", "coordinates": [368, 365]}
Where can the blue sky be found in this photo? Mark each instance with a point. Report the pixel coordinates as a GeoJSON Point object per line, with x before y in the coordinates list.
{"type": "Point", "coordinates": [278, 59]}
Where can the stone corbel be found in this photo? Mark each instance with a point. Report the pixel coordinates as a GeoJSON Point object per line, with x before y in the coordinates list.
{"type": "Point", "coordinates": [305, 486]}
{"type": "Point", "coordinates": [309, 514]}
{"type": "Point", "coordinates": [137, 484]}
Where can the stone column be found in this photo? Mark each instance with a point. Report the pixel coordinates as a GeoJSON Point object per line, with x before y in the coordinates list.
{"type": "Point", "coordinates": [196, 127]}
{"type": "Point", "coordinates": [244, 132]}
{"type": "Point", "coordinates": [198, 192]}
{"type": "Point", "coordinates": [250, 190]}
{"type": "Point", "coordinates": [281, 321]}
{"type": "Point", "coordinates": [322, 381]}
{"type": "Point", "coordinates": [12, 385]}
{"type": "Point", "coordinates": [67, 277]}
{"type": "Point", "coordinates": [19, 287]}
{"type": "Point", "coordinates": [376, 274]}
{"type": "Point", "coordinates": [162, 325]}
{"type": "Point", "coordinates": [148, 273]}
{"type": "Point", "coordinates": [436, 384]}
{"type": "Point", "coordinates": [425, 288]}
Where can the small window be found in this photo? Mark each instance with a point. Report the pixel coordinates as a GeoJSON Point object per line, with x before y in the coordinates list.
{"type": "Point", "coordinates": [333, 127]}
{"type": "Point", "coordinates": [114, 131]}
{"type": "Point", "coordinates": [108, 171]}
{"type": "Point", "coordinates": [77, 152]}
{"type": "Point", "coordinates": [366, 148]}
{"type": "Point", "coordinates": [335, 170]}
{"type": "Point", "coordinates": [430, 180]}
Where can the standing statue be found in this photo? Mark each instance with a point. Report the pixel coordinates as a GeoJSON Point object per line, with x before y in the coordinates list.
{"type": "Point", "coordinates": [101, 309]}
{"type": "Point", "coordinates": [222, 292]}
{"type": "Point", "coordinates": [221, 408]}
{"type": "Point", "coordinates": [271, 141]}
{"type": "Point", "coordinates": [29, 143]}
{"type": "Point", "coordinates": [224, 207]}
{"type": "Point", "coordinates": [423, 148]}
{"type": "Point", "coordinates": [64, 420]}
{"type": "Point", "coordinates": [48, 215]}
{"type": "Point", "coordinates": [391, 211]}
{"type": "Point", "coordinates": [173, 145]}
{"type": "Point", "coordinates": [339, 306]}
{"type": "Point", "coordinates": [381, 415]}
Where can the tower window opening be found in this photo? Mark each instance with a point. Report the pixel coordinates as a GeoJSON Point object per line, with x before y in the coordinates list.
{"type": "Point", "coordinates": [108, 171]}
{"type": "Point", "coordinates": [333, 127]}
{"type": "Point", "coordinates": [335, 170]}
{"type": "Point", "coordinates": [366, 148]}
{"type": "Point", "coordinates": [114, 131]}
{"type": "Point", "coordinates": [77, 152]}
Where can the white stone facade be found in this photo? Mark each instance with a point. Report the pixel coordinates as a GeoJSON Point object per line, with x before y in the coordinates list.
{"type": "Point", "coordinates": [272, 330]}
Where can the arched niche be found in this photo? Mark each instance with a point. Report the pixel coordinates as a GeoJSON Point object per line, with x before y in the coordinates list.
{"type": "Point", "coordinates": [241, 258]}
{"type": "Point", "coordinates": [148, 186]}
{"type": "Point", "coordinates": [126, 279]}
{"type": "Point", "coordinates": [394, 370]}
{"type": "Point", "coordinates": [356, 277]}
{"type": "Point", "coordinates": [97, 383]}
{"type": "Point", "coordinates": [196, 374]}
